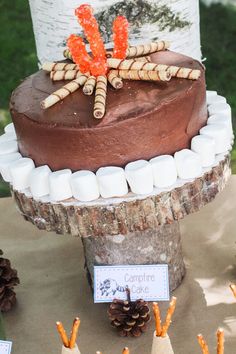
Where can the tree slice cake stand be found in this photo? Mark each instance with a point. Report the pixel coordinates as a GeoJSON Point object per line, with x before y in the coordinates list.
{"type": "Point", "coordinates": [134, 229]}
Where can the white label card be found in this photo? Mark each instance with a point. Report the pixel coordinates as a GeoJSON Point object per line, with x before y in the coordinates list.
{"type": "Point", "coordinates": [147, 282]}
{"type": "Point", "coordinates": [5, 347]}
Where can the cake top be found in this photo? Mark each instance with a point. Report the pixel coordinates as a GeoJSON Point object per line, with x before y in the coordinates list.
{"type": "Point", "coordinates": [134, 99]}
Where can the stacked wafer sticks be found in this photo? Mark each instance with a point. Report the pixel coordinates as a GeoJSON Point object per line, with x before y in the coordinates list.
{"type": "Point", "coordinates": [220, 342]}
{"type": "Point", "coordinates": [96, 70]}
{"type": "Point", "coordinates": [69, 343]}
{"type": "Point", "coordinates": [161, 330]}
{"type": "Point", "coordinates": [135, 68]}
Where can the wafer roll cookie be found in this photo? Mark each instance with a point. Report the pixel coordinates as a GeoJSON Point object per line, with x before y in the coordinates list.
{"type": "Point", "coordinates": [89, 85]}
{"type": "Point", "coordinates": [67, 54]}
{"type": "Point", "coordinates": [146, 59]}
{"type": "Point", "coordinates": [63, 92]}
{"type": "Point", "coordinates": [132, 64]}
{"type": "Point", "coordinates": [184, 73]}
{"type": "Point", "coordinates": [141, 50]}
{"type": "Point", "coordinates": [59, 66]}
{"type": "Point", "coordinates": [100, 97]}
{"type": "Point", "coordinates": [114, 80]}
{"type": "Point", "coordinates": [65, 75]}
{"type": "Point", "coordinates": [143, 75]}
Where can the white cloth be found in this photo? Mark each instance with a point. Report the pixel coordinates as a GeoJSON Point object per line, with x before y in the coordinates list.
{"type": "Point", "coordinates": [161, 345]}
{"type": "Point", "coordinates": [75, 350]}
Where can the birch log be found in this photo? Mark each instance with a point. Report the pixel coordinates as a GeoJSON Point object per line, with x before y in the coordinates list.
{"type": "Point", "coordinates": [176, 21]}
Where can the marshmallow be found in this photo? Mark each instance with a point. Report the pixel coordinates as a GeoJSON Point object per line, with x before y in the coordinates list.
{"type": "Point", "coordinates": [204, 146]}
{"type": "Point", "coordinates": [215, 99]}
{"type": "Point", "coordinates": [84, 186]}
{"type": "Point", "coordinates": [188, 164]}
{"type": "Point", "coordinates": [8, 147]}
{"type": "Point", "coordinates": [164, 171]}
{"type": "Point", "coordinates": [210, 95]}
{"type": "Point", "coordinates": [140, 177]}
{"type": "Point", "coordinates": [59, 185]}
{"type": "Point", "coordinates": [20, 171]}
{"type": "Point", "coordinates": [9, 128]}
{"type": "Point", "coordinates": [7, 137]}
{"type": "Point", "coordinates": [5, 163]}
{"type": "Point", "coordinates": [112, 182]}
{"type": "Point", "coordinates": [219, 133]}
{"type": "Point", "coordinates": [220, 108]}
{"type": "Point", "coordinates": [39, 181]}
{"type": "Point", "coordinates": [227, 122]}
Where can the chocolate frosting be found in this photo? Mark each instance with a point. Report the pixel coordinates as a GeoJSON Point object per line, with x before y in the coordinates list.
{"type": "Point", "coordinates": [143, 120]}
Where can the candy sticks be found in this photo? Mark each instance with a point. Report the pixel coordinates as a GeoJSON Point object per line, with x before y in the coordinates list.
{"type": "Point", "coordinates": [120, 37]}
{"type": "Point", "coordinates": [79, 53]}
{"type": "Point", "coordinates": [65, 341]}
{"type": "Point", "coordinates": [233, 288]}
{"type": "Point", "coordinates": [220, 342]}
{"type": "Point", "coordinates": [125, 350]}
{"type": "Point", "coordinates": [161, 331]}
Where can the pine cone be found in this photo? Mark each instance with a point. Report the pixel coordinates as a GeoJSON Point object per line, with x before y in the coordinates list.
{"type": "Point", "coordinates": [8, 279]}
{"type": "Point", "coordinates": [130, 318]}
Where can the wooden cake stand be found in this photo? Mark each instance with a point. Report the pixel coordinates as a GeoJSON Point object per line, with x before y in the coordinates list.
{"type": "Point", "coordinates": [131, 230]}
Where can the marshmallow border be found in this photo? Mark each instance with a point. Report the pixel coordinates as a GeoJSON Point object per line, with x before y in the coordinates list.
{"type": "Point", "coordinates": [130, 195]}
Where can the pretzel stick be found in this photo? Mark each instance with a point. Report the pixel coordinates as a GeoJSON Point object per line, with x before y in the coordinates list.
{"type": "Point", "coordinates": [66, 75]}
{"type": "Point", "coordinates": [63, 334]}
{"type": "Point", "coordinates": [142, 75]}
{"type": "Point", "coordinates": [175, 71]}
{"type": "Point", "coordinates": [89, 85]}
{"type": "Point", "coordinates": [59, 66]}
{"type": "Point", "coordinates": [125, 350]}
{"type": "Point", "coordinates": [157, 316]}
{"type": "Point", "coordinates": [100, 97]}
{"type": "Point", "coordinates": [114, 80]}
{"type": "Point", "coordinates": [141, 50]}
{"type": "Point", "coordinates": [169, 315]}
{"type": "Point", "coordinates": [63, 92]}
{"type": "Point", "coordinates": [74, 332]}
{"type": "Point", "coordinates": [203, 344]}
{"type": "Point", "coordinates": [220, 341]}
{"type": "Point", "coordinates": [233, 288]}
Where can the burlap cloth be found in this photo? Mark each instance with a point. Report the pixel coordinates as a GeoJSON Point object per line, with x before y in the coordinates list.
{"type": "Point", "coordinates": [54, 286]}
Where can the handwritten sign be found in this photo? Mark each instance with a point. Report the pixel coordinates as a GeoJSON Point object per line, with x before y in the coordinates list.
{"type": "Point", "coordinates": [5, 347]}
{"type": "Point", "coordinates": [148, 282]}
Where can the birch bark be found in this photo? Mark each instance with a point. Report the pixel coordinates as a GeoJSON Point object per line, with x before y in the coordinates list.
{"type": "Point", "coordinates": [173, 20]}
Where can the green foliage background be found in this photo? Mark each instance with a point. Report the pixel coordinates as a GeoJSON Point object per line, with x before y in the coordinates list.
{"type": "Point", "coordinates": [18, 56]}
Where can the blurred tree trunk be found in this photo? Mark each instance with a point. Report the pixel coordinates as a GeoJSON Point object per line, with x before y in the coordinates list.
{"type": "Point", "coordinates": [175, 20]}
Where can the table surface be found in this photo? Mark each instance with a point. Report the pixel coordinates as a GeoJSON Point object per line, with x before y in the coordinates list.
{"type": "Point", "coordinates": [54, 286]}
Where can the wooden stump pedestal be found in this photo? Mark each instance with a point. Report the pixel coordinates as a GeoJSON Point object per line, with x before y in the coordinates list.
{"type": "Point", "coordinates": [133, 229]}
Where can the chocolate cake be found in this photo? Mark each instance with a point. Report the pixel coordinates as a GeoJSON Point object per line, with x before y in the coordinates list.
{"type": "Point", "coordinates": [142, 120]}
